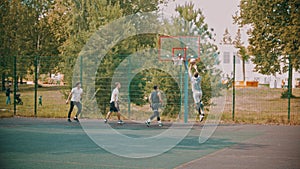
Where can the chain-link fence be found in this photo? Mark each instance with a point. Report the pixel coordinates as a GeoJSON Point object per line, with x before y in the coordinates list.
{"type": "Point", "coordinates": [36, 85]}
{"type": "Point", "coordinates": [262, 105]}
{"type": "Point", "coordinates": [39, 88]}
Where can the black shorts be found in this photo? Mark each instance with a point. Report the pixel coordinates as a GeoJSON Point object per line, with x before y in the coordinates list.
{"type": "Point", "coordinates": [114, 108]}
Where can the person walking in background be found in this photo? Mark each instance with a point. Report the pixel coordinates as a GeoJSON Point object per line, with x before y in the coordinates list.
{"type": "Point", "coordinates": [7, 93]}
{"type": "Point", "coordinates": [75, 96]}
{"type": "Point", "coordinates": [114, 104]}
{"type": "Point", "coordinates": [155, 103]}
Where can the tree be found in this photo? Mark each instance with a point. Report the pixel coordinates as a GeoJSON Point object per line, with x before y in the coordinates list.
{"type": "Point", "coordinates": [274, 33]}
{"type": "Point", "coordinates": [130, 7]}
{"type": "Point", "coordinates": [226, 40]}
{"type": "Point", "coordinates": [82, 19]}
{"type": "Point", "coordinates": [26, 34]}
{"type": "Point", "coordinates": [12, 31]}
{"type": "Point", "coordinates": [242, 52]}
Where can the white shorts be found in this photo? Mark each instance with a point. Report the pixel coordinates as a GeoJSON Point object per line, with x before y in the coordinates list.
{"type": "Point", "coordinates": [197, 95]}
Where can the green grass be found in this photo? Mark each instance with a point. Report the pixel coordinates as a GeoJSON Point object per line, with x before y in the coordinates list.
{"type": "Point", "coordinates": [53, 103]}
{"type": "Point", "coordinates": [260, 105]}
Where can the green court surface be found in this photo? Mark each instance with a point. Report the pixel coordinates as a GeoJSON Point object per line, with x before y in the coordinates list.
{"type": "Point", "coordinates": [55, 143]}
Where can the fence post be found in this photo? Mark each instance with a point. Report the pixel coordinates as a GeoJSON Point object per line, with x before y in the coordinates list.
{"type": "Point", "coordinates": [289, 89]}
{"type": "Point", "coordinates": [180, 77]}
{"type": "Point", "coordinates": [35, 84]}
{"type": "Point", "coordinates": [186, 102]}
{"type": "Point", "coordinates": [233, 89]}
{"type": "Point", "coordinates": [15, 84]}
{"type": "Point", "coordinates": [128, 99]}
{"type": "Point", "coordinates": [81, 65]}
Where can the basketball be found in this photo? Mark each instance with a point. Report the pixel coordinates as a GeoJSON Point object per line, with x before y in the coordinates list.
{"type": "Point", "coordinates": [193, 61]}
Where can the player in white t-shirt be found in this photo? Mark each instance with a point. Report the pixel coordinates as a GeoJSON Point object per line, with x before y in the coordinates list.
{"type": "Point", "coordinates": [114, 104]}
{"type": "Point", "coordinates": [76, 94]}
{"type": "Point", "coordinates": [197, 91]}
{"type": "Point", "coordinates": [196, 88]}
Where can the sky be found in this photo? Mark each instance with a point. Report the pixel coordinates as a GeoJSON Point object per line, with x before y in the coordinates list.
{"type": "Point", "coordinates": [218, 15]}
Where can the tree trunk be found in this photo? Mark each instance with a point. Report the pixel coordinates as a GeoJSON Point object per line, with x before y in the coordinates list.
{"type": "Point", "coordinates": [244, 71]}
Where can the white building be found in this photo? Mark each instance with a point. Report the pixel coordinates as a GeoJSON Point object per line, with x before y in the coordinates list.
{"type": "Point", "coordinates": [226, 64]}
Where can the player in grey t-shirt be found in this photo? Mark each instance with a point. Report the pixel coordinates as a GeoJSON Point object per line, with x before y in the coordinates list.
{"type": "Point", "coordinates": [155, 103]}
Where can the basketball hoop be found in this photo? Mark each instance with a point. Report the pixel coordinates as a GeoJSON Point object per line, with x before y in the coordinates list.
{"type": "Point", "coordinates": [187, 46]}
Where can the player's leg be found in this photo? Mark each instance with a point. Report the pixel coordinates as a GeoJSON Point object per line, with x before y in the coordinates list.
{"type": "Point", "coordinates": [198, 104]}
{"type": "Point", "coordinates": [70, 110]}
{"type": "Point", "coordinates": [111, 109]}
{"type": "Point", "coordinates": [119, 118]}
{"type": "Point", "coordinates": [196, 97]}
{"type": "Point", "coordinates": [79, 107]}
{"type": "Point", "coordinates": [107, 117]}
{"type": "Point", "coordinates": [158, 120]}
{"type": "Point", "coordinates": [155, 113]}
{"type": "Point", "coordinates": [197, 107]}
{"type": "Point", "coordinates": [117, 110]}
{"type": "Point", "coordinates": [202, 107]}
{"type": "Point", "coordinates": [147, 122]}
{"type": "Point", "coordinates": [7, 100]}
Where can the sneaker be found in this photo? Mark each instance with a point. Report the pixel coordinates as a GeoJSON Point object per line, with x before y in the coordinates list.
{"type": "Point", "coordinates": [120, 122]}
{"type": "Point", "coordinates": [201, 117]}
{"type": "Point", "coordinates": [147, 123]}
{"type": "Point", "coordinates": [160, 124]}
{"type": "Point", "coordinates": [69, 120]}
{"type": "Point", "coordinates": [76, 119]}
{"type": "Point", "coordinates": [105, 120]}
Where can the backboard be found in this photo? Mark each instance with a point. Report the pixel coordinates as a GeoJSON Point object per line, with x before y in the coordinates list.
{"type": "Point", "coordinates": [178, 47]}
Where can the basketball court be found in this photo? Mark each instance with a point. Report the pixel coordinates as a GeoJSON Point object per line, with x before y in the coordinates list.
{"type": "Point", "coordinates": [55, 143]}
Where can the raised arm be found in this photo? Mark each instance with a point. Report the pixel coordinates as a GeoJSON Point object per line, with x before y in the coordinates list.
{"type": "Point", "coordinates": [190, 71]}
{"type": "Point", "coordinates": [195, 67]}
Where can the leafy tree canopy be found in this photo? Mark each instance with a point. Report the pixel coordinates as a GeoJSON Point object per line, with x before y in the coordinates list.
{"type": "Point", "coordinates": [274, 33]}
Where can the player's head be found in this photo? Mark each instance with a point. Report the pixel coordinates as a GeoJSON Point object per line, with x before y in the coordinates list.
{"type": "Point", "coordinates": [78, 84]}
{"type": "Point", "coordinates": [155, 87]}
{"type": "Point", "coordinates": [196, 74]}
{"type": "Point", "coordinates": [118, 84]}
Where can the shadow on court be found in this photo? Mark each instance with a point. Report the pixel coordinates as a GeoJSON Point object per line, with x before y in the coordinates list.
{"type": "Point", "coordinates": [55, 143]}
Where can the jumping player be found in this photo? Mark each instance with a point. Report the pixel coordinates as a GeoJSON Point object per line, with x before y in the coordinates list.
{"type": "Point", "coordinates": [155, 102]}
{"type": "Point", "coordinates": [114, 104]}
{"type": "Point", "coordinates": [196, 89]}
